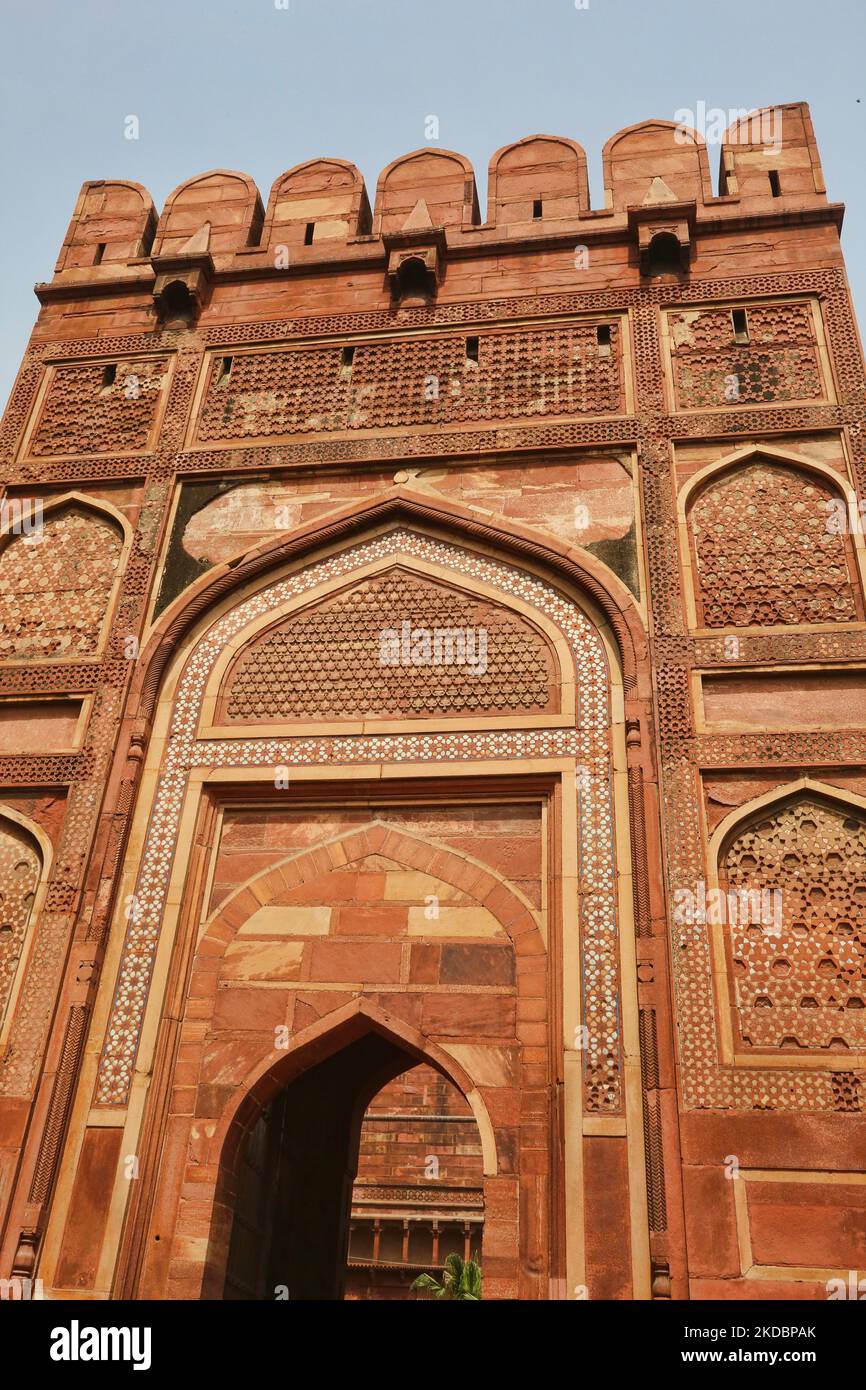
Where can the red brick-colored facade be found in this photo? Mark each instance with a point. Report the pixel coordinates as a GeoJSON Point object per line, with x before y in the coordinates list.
{"type": "Point", "coordinates": [427, 643]}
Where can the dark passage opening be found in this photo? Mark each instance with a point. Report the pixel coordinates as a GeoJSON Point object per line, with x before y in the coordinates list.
{"type": "Point", "coordinates": [291, 1188]}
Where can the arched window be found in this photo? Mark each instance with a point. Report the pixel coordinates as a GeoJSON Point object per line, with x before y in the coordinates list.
{"type": "Point", "coordinates": [176, 306]}
{"type": "Point", "coordinates": [664, 255]}
{"type": "Point", "coordinates": [413, 280]}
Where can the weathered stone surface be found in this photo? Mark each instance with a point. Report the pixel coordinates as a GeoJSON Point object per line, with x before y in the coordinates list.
{"type": "Point", "coordinates": [456, 890]}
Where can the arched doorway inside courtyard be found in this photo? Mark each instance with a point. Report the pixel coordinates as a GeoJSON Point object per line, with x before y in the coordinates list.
{"type": "Point", "coordinates": [363, 1171]}
{"type": "Point", "coordinates": [418, 1194]}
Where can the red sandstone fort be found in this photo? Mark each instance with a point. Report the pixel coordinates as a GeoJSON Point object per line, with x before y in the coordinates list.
{"type": "Point", "coordinates": [316, 965]}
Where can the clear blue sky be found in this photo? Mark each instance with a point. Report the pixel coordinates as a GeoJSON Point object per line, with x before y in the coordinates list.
{"type": "Point", "coordinates": [250, 86]}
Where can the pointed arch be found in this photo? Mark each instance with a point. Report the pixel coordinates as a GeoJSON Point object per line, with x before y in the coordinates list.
{"type": "Point", "coordinates": [507, 903]}
{"type": "Point", "coordinates": [18, 918]}
{"type": "Point", "coordinates": [69, 629]}
{"type": "Point", "coordinates": [99, 505]}
{"type": "Point", "coordinates": [617, 610]}
{"type": "Point", "coordinates": [337, 1031]}
{"type": "Point", "coordinates": [330, 1034]}
{"type": "Point", "coordinates": [851, 543]}
{"type": "Point", "coordinates": [772, 452]}
{"type": "Point", "coordinates": [360, 691]}
{"type": "Point", "coordinates": [184, 773]}
{"type": "Point", "coordinates": [740, 816]}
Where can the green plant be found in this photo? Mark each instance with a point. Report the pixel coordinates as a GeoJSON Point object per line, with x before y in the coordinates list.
{"type": "Point", "coordinates": [460, 1279]}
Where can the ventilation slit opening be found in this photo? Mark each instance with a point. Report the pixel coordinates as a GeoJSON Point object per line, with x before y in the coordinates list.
{"type": "Point", "coordinates": [740, 322]}
{"type": "Point", "coordinates": [602, 337]}
{"type": "Point", "coordinates": [109, 373]}
{"type": "Point", "coordinates": [308, 233]}
{"type": "Point", "coordinates": [347, 357]}
{"type": "Point", "coordinates": [223, 370]}
{"type": "Point", "coordinates": [471, 349]}
{"type": "Point", "coordinates": [775, 186]}
{"type": "Point", "coordinates": [536, 209]}
{"type": "Point", "coordinates": [100, 252]}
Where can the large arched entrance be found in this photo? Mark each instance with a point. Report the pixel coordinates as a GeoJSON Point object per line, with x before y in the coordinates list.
{"type": "Point", "coordinates": [354, 808]}
{"type": "Point", "coordinates": [287, 1155]}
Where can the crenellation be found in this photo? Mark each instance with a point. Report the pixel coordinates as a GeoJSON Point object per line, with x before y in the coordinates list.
{"type": "Point", "coordinates": [114, 223]}
{"type": "Point", "coordinates": [227, 203]}
{"type": "Point", "coordinates": [655, 162]}
{"type": "Point", "coordinates": [318, 213]}
{"type": "Point", "coordinates": [541, 179]}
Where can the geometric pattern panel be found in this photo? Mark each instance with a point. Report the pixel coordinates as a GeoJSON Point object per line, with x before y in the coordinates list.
{"type": "Point", "coordinates": [397, 645]}
{"type": "Point", "coordinates": [799, 960]}
{"type": "Point", "coordinates": [765, 554]}
{"type": "Point", "coordinates": [54, 588]}
{"type": "Point", "coordinates": [428, 381]}
{"type": "Point", "coordinates": [20, 866]}
{"type": "Point", "coordinates": [588, 744]}
{"type": "Point", "coordinates": [99, 409]}
{"type": "Point", "coordinates": [778, 363]}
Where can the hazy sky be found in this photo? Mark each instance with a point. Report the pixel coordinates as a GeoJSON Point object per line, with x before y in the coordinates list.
{"type": "Point", "coordinates": [254, 86]}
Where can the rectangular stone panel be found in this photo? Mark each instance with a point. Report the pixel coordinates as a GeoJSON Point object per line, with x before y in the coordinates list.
{"type": "Point", "coordinates": [813, 1224]}
{"type": "Point", "coordinates": [562, 370]}
{"type": "Point", "coordinates": [38, 726]}
{"type": "Point", "coordinates": [88, 1209]}
{"type": "Point", "coordinates": [797, 700]}
{"type": "Point", "coordinates": [768, 356]}
{"type": "Point", "coordinates": [99, 408]}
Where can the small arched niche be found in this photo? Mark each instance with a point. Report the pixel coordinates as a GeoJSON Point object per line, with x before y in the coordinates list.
{"type": "Point", "coordinates": [792, 875]}
{"type": "Point", "coordinates": [664, 257]}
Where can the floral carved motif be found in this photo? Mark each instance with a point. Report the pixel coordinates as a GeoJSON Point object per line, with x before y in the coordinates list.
{"type": "Point", "coordinates": [765, 553]}
{"type": "Point", "coordinates": [55, 586]}
{"type": "Point", "coordinates": [799, 973]}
